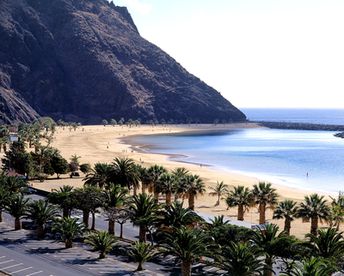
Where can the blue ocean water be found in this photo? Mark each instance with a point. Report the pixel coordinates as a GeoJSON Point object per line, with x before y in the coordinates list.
{"type": "Point", "coordinates": [305, 159]}
{"type": "Point", "coordinates": [315, 116]}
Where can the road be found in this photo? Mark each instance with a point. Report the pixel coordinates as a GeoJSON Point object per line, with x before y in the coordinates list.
{"type": "Point", "coordinates": [27, 256]}
{"type": "Point", "coordinates": [14, 260]}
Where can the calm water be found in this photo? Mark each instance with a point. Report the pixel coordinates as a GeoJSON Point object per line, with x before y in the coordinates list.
{"type": "Point", "coordinates": [316, 116]}
{"type": "Point", "coordinates": [281, 156]}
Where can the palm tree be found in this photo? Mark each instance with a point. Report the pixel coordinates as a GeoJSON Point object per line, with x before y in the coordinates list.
{"type": "Point", "coordinates": [175, 216]}
{"type": "Point", "coordinates": [219, 221]}
{"type": "Point", "coordinates": [240, 259]}
{"type": "Point", "coordinates": [194, 186]}
{"type": "Point", "coordinates": [315, 208]}
{"type": "Point", "coordinates": [143, 213]}
{"type": "Point", "coordinates": [41, 212]}
{"type": "Point", "coordinates": [241, 197]}
{"type": "Point", "coordinates": [271, 244]}
{"type": "Point", "coordinates": [13, 184]}
{"type": "Point", "coordinates": [187, 244]}
{"type": "Point", "coordinates": [336, 217]}
{"type": "Point", "coordinates": [4, 197]}
{"type": "Point", "coordinates": [328, 244]}
{"type": "Point", "coordinates": [180, 184]}
{"type": "Point", "coordinates": [180, 172]}
{"type": "Point", "coordinates": [286, 210]}
{"type": "Point", "coordinates": [314, 266]}
{"type": "Point", "coordinates": [101, 241]}
{"type": "Point", "coordinates": [98, 176]}
{"type": "Point", "coordinates": [125, 172]}
{"type": "Point", "coordinates": [265, 197]}
{"type": "Point", "coordinates": [113, 199]}
{"type": "Point", "coordinates": [166, 185]}
{"type": "Point", "coordinates": [144, 177]}
{"type": "Point", "coordinates": [154, 172]}
{"type": "Point", "coordinates": [219, 190]}
{"type": "Point", "coordinates": [68, 229]}
{"type": "Point", "coordinates": [141, 252]}
{"type": "Point", "coordinates": [17, 207]}
{"type": "Point", "coordinates": [63, 197]}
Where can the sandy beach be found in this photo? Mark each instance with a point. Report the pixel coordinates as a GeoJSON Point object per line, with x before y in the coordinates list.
{"type": "Point", "coordinates": [102, 144]}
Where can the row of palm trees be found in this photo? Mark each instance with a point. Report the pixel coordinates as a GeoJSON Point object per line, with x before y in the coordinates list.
{"type": "Point", "coordinates": [177, 231]}
{"type": "Point", "coordinates": [179, 183]}
{"type": "Point", "coordinates": [19, 206]}
{"type": "Point", "coordinates": [314, 207]}
{"type": "Point", "coordinates": [180, 232]}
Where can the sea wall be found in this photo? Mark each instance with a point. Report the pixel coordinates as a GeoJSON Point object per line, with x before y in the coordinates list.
{"type": "Point", "coordinates": [304, 126]}
{"type": "Point", "coordinates": [300, 126]}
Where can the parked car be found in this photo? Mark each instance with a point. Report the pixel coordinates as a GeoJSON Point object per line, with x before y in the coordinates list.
{"type": "Point", "coordinates": [74, 174]}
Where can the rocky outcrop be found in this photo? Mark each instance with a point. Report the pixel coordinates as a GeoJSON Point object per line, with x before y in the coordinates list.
{"type": "Point", "coordinates": [84, 60]}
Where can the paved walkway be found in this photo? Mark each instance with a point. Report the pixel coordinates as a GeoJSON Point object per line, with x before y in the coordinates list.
{"type": "Point", "coordinates": [78, 258]}
{"type": "Point", "coordinates": [23, 255]}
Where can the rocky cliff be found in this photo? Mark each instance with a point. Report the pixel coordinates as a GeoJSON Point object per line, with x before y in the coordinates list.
{"type": "Point", "coordinates": [84, 60]}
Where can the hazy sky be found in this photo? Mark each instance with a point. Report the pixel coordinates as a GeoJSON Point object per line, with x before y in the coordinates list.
{"type": "Point", "coordinates": [257, 53]}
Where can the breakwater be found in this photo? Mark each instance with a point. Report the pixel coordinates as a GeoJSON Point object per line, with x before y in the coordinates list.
{"type": "Point", "coordinates": [300, 126]}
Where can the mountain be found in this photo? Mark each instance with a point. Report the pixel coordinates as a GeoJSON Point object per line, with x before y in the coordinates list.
{"type": "Point", "coordinates": [84, 60]}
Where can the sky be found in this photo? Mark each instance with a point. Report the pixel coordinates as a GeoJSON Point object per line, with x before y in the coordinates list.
{"type": "Point", "coordinates": [256, 53]}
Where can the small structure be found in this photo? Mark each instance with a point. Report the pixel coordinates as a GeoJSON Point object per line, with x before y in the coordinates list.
{"type": "Point", "coordinates": [13, 137]}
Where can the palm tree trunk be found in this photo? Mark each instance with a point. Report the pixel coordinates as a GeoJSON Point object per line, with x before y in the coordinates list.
{"type": "Point", "coordinates": [287, 226]}
{"type": "Point", "coordinates": [68, 243]}
{"type": "Point", "coordinates": [143, 188]}
{"type": "Point", "coordinates": [150, 188]}
{"type": "Point", "coordinates": [168, 198]}
{"type": "Point", "coordinates": [102, 255]}
{"type": "Point", "coordinates": [314, 225]}
{"type": "Point", "coordinates": [121, 231]}
{"type": "Point", "coordinates": [65, 212]}
{"type": "Point", "coordinates": [0, 215]}
{"type": "Point", "coordinates": [139, 267]}
{"type": "Point", "coordinates": [93, 226]}
{"type": "Point", "coordinates": [85, 217]}
{"type": "Point", "coordinates": [240, 212]}
{"type": "Point", "coordinates": [268, 268]}
{"type": "Point", "coordinates": [40, 231]}
{"type": "Point", "coordinates": [135, 190]}
{"type": "Point", "coordinates": [142, 233]}
{"type": "Point", "coordinates": [191, 202]}
{"type": "Point", "coordinates": [17, 224]}
{"type": "Point", "coordinates": [186, 268]}
{"type": "Point", "coordinates": [156, 195]}
{"type": "Point", "coordinates": [218, 200]}
{"type": "Point", "coordinates": [111, 227]}
{"type": "Point", "coordinates": [261, 213]}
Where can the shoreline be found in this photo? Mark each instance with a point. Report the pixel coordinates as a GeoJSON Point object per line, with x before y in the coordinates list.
{"type": "Point", "coordinates": [173, 157]}
{"type": "Point", "coordinates": [102, 144]}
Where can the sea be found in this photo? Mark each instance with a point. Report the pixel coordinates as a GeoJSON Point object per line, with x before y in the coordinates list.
{"type": "Point", "coordinates": [310, 160]}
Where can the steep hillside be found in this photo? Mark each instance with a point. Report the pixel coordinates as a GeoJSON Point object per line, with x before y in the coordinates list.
{"type": "Point", "coordinates": [84, 60]}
